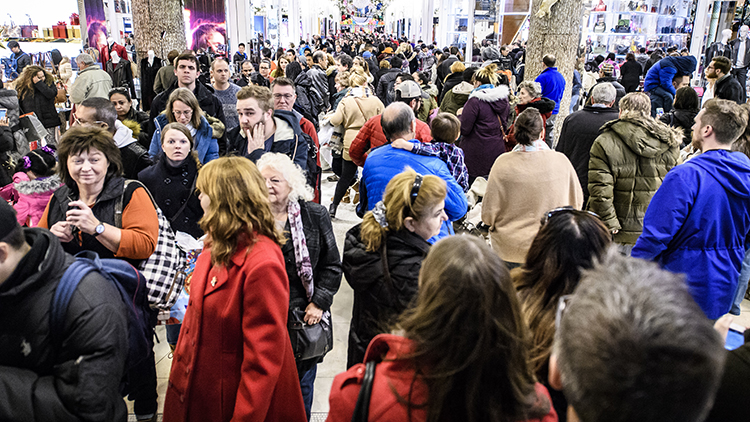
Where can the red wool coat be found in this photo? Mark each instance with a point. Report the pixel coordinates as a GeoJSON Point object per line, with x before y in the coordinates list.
{"type": "Point", "coordinates": [234, 360]}
{"type": "Point", "coordinates": [392, 374]}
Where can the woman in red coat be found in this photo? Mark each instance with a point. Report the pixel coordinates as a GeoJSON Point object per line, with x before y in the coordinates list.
{"type": "Point", "coordinates": [461, 353]}
{"type": "Point", "coordinates": [234, 360]}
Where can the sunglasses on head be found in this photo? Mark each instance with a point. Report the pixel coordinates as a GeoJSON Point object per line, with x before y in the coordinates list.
{"type": "Point", "coordinates": [562, 210]}
{"type": "Point", "coordinates": [415, 188]}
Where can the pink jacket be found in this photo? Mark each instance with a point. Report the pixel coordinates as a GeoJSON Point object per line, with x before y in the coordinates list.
{"type": "Point", "coordinates": [33, 196]}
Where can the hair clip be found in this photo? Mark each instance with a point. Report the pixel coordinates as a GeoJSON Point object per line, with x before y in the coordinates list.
{"type": "Point", "coordinates": [26, 162]}
{"type": "Point", "coordinates": [48, 150]}
{"type": "Point", "coordinates": [379, 213]}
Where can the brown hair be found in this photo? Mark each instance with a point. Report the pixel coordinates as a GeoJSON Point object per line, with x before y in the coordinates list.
{"type": "Point", "coordinates": [171, 56]}
{"type": "Point", "coordinates": [722, 63]}
{"type": "Point", "coordinates": [727, 119]}
{"type": "Point", "coordinates": [445, 127]}
{"type": "Point", "coordinates": [239, 208]}
{"type": "Point", "coordinates": [25, 85]}
{"type": "Point", "coordinates": [742, 144]}
{"type": "Point", "coordinates": [187, 55]}
{"type": "Point", "coordinates": [78, 139]}
{"type": "Point", "coordinates": [528, 126]}
{"type": "Point", "coordinates": [397, 200]}
{"type": "Point", "coordinates": [261, 94]}
{"type": "Point", "coordinates": [569, 241]}
{"type": "Point", "coordinates": [186, 97]}
{"type": "Point", "coordinates": [635, 103]}
{"type": "Point", "coordinates": [470, 343]}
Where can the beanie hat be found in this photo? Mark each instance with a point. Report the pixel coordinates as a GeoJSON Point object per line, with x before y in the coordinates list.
{"type": "Point", "coordinates": [607, 68]}
{"type": "Point", "coordinates": [8, 221]}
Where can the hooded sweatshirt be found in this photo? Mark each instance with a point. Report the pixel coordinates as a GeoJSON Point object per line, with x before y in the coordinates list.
{"type": "Point", "coordinates": [697, 224]}
{"type": "Point", "coordinates": [483, 122]}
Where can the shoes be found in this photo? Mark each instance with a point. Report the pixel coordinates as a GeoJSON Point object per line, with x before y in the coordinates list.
{"type": "Point", "coordinates": [346, 199]}
{"type": "Point", "coordinates": [332, 210]}
{"type": "Point", "coordinates": [333, 178]}
{"type": "Point", "coordinates": [151, 419]}
{"type": "Point", "coordinates": [355, 188]}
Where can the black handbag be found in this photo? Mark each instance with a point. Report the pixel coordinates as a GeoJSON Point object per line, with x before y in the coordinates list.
{"type": "Point", "coordinates": [362, 408]}
{"type": "Point", "coordinates": [309, 341]}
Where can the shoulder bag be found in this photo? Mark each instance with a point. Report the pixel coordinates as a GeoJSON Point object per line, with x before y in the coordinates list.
{"type": "Point", "coordinates": [362, 408]}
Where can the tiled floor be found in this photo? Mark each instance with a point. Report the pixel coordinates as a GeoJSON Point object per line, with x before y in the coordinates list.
{"type": "Point", "coordinates": [335, 361]}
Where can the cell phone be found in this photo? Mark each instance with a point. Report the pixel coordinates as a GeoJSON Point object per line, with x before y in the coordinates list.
{"type": "Point", "coordinates": [735, 337]}
{"type": "Point", "coordinates": [3, 112]}
{"type": "Point", "coordinates": [659, 112]}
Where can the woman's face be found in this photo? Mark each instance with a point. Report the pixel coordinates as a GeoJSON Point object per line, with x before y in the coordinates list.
{"type": "Point", "coordinates": [416, 77]}
{"type": "Point", "coordinates": [205, 201]}
{"type": "Point", "coordinates": [121, 103]}
{"type": "Point", "coordinates": [524, 96]}
{"type": "Point", "coordinates": [182, 112]}
{"type": "Point", "coordinates": [176, 145]}
{"type": "Point", "coordinates": [283, 62]}
{"type": "Point", "coordinates": [278, 187]}
{"type": "Point", "coordinates": [88, 168]}
{"type": "Point", "coordinates": [429, 225]}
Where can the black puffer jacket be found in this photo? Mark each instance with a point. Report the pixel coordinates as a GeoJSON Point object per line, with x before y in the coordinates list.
{"type": "Point", "coordinates": [376, 303]}
{"type": "Point", "coordinates": [42, 103]}
{"type": "Point", "coordinates": [309, 101]}
{"type": "Point", "coordinates": [683, 120]}
{"type": "Point", "coordinates": [142, 118]}
{"type": "Point", "coordinates": [452, 80]}
{"type": "Point", "coordinates": [80, 380]}
{"type": "Point", "coordinates": [324, 257]}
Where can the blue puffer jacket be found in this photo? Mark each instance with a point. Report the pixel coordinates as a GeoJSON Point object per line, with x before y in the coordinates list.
{"type": "Point", "coordinates": [662, 73]}
{"type": "Point", "coordinates": [204, 144]}
{"type": "Point", "coordinates": [385, 162]}
{"type": "Point", "coordinates": [697, 224]}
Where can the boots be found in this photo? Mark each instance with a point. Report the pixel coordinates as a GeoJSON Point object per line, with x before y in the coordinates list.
{"type": "Point", "coordinates": [355, 188]}
{"type": "Point", "coordinates": [332, 211]}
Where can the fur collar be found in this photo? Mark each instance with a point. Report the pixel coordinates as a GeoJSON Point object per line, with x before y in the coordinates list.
{"type": "Point", "coordinates": [44, 185]}
{"type": "Point", "coordinates": [491, 95]}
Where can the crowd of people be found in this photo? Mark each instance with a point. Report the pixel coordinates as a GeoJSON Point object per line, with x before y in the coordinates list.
{"type": "Point", "coordinates": [593, 283]}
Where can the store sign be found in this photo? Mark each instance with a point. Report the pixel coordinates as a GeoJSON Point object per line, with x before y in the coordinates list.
{"type": "Point", "coordinates": [96, 21]}
{"type": "Point", "coordinates": [206, 26]}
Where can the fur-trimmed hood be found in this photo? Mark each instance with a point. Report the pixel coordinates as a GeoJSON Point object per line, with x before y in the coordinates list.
{"type": "Point", "coordinates": [644, 135]}
{"type": "Point", "coordinates": [490, 95]}
{"type": "Point", "coordinates": [464, 88]}
{"type": "Point", "coordinates": [37, 186]}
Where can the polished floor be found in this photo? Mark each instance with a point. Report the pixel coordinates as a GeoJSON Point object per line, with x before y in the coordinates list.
{"type": "Point", "coordinates": [335, 361]}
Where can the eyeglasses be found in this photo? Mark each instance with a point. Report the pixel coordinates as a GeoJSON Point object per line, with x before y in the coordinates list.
{"type": "Point", "coordinates": [562, 305]}
{"type": "Point", "coordinates": [182, 113]}
{"type": "Point", "coordinates": [549, 214]}
{"type": "Point", "coordinates": [415, 188]}
{"type": "Point", "coordinates": [287, 97]}
{"type": "Point", "coordinates": [79, 122]}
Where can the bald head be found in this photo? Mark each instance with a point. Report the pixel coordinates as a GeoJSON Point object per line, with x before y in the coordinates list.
{"type": "Point", "coordinates": [397, 121]}
{"type": "Point", "coordinates": [549, 60]}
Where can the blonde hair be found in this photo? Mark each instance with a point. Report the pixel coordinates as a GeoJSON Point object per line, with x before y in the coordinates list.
{"type": "Point", "coordinates": [185, 96]}
{"type": "Point", "coordinates": [357, 76]}
{"type": "Point", "coordinates": [292, 173]}
{"type": "Point", "coordinates": [457, 67]}
{"type": "Point", "coordinates": [343, 78]}
{"type": "Point", "coordinates": [397, 200]}
{"type": "Point", "coordinates": [239, 208]}
{"type": "Point", "coordinates": [635, 104]}
{"type": "Point", "coordinates": [487, 75]}
{"type": "Point", "coordinates": [330, 60]}
{"type": "Point", "coordinates": [360, 61]}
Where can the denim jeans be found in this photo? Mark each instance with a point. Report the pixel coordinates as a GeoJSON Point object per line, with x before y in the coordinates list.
{"type": "Point", "coordinates": [574, 102]}
{"type": "Point", "coordinates": [660, 98]}
{"type": "Point", "coordinates": [307, 384]}
{"type": "Point", "coordinates": [741, 284]}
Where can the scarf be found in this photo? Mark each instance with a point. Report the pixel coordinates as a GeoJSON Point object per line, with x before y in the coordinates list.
{"type": "Point", "coordinates": [301, 254]}
{"type": "Point", "coordinates": [538, 145]}
{"type": "Point", "coordinates": [485, 86]}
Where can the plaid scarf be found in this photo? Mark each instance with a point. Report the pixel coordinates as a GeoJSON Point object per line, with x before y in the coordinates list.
{"type": "Point", "coordinates": [301, 254]}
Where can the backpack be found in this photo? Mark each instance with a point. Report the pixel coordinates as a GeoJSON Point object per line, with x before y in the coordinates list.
{"type": "Point", "coordinates": [132, 287]}
{"type": "Point", "coordinates": [166, 269]}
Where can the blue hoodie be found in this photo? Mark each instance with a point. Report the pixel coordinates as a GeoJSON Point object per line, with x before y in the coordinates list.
{"type": "Point", "coordinates": [662, 73]}
{"type": "Point", "coordinates": [697, 224]}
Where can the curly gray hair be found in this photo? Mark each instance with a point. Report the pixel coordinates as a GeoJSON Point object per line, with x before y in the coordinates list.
{"type": "Point", "coordinates": [292, 173]}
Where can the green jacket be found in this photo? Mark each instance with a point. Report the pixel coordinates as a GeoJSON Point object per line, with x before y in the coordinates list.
{"type": "Point", "coordinates": [428, 104]}
{"type": "Point", "coordinates": [456, 98]}
{"type": "Point", "coordinates": [628, 163]}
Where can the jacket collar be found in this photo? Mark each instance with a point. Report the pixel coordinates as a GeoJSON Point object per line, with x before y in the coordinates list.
{"type": "Point", "coordinates": [491, 94]}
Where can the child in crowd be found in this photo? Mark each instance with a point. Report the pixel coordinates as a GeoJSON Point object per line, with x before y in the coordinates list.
{"type": "Point", "coordinates": [445, 130]}
{"type": "Point", "coordinates": [33, 184]}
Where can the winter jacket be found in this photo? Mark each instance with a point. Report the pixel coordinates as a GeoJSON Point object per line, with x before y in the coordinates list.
{"type": "Point", "coordinates": [483, 123]}
{"type": "Point", "coordinates": [140, 117]}
{"type": "Point", "coordinates": [383, 91]}
{"type": "Point", "coordinates": [42, 103]}
{"type": "Point", "coordinates": [91, 82]}
{"type": "Point", "coordinates": [349, 114]}
{"type": "Point", "coordinates": [206, 99]}
{"type": "Point", "coordinates": [7, 147]}
{"type": "Point", "coordinates": [371, 136]}
{"type": "Point", "coordinates": [337, 97]}
{"type": "Point", "coordinates": [331, 74]}
{"type": "Point", "coordinates": [456, 98]}
{"type": "Point", "coordinates": [450, 81]}
{"type": "Point", "coordinates": [104, 52]}
{"type": "Point", "coordinates": [394, 376]}
{"type": "Point", "coordinates": [19, 61]}
{"type": "Point", "coordinates": [9, 101]}
{"type": "Point", "coordinates": [33, 196]}
{"type": "Point", "coordinates": [730, 397]}
{"type": "Point", "coordinates": [324, 258]}
{"type": "Point", "coordinates": [628, 163]}
{"type": "Point", "coordinates": [122, 75]}
{"type": "Point", "coordinates": [78, 381]}
{"type": "Point", "coordinates": [665, 70]}
{"type": "Point", "coordinates": [728, 88]}
{"type": "Point", "coordinates": [134, 157]}
{"type": "Point", "coordinates": [320, 83]}
{"type": "Point", "coordinates": [286, 140]}
{"type": "Point", "coordinates": [428, 104]}
{"type": "Point", "coordinates": [683, 120]}
{"type": "Point", "coordinates": [385, 162]}
{"type": "Point", "coordinates": [443, 70]}
{"type": "Point", "coordinates": [234, 360]}
{"type": "Point", "coordinates": [553, 86]}
{"type": "Point", "coordinates": [309, 100]}
{"type": "Point", "coordinates": [619, 90]}
{"type": "Point", "coordinates": [579, 130]}
{"type": "Point", "coordinates": [376, 302]}
{"type": "Point", "coordinates": [171, 187]}
{"type": "Point", "coordinates": [631, 72]}
{"type": "Point", "coordinates": [165, 77]}
{"type": "Point", "coordinates": [697, 224]}
{"type": "Point", "coordinates": [545, 107]}
{"type": "Point", "coordinates": [204, 144]}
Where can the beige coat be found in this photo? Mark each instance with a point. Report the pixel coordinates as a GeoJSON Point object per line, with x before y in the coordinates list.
{"type": "Point", "coordinates": [91, 82]}
{"type": "Point", "coordinates": [522, 186]}
{"type": "Point", "coordinates": [359, 106]}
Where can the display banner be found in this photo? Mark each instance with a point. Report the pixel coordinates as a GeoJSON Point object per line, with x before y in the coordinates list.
{"type": "Point", "coordinates": [206, 26]}
{"type": "Point", "coordinates": [96, 22]}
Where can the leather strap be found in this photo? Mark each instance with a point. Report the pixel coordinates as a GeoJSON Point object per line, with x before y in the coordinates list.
{"type": "Point", "coordinates": [362, 408]}
{"type": "Point", "coordinates": [182, 208]}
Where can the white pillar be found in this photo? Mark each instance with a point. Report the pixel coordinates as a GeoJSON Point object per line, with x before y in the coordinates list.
{"type": "Point", "coordinates": [240, 22]}
{"type": "Point", "coordinates": [114, 24]}
{"type": "Point", "coordinates": [294, 21]}
{"type": "Point", "coordinates": [699, 29]}
{"type": "Point", "coordinates": [470, 35]}
{"type": "Point", "coordinates": [428, 6]}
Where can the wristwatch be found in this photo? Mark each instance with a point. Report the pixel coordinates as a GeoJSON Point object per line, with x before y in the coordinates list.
{"type": "Point", "coordinates": [99, 229]}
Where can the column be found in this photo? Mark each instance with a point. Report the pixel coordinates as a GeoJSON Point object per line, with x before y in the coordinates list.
{"type": "Point", "coordinates": [699, 29]}
{"type": "Point", "coordinates": [428, 6]}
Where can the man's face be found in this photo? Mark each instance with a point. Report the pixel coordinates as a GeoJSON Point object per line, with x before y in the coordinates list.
{"type": "Point", "coordinates": [15, 49]}
{"type": "Point", "coordinates": [697, 136]}
{"type": "Point", "coordinates": [504, 51]}
{"type": "Point", "coordinates": [242, 49]}
{"type": "Point", "coordinates": [250, 113]}
{"type": "Point", "coordinates": [283, 97]}
{"type": "Point", "coordinates": [340, 67]}
{"type": "Point", "coordinates": [85, 116]}
{"type": "Point", "coordinates": [220, 72]}
{"type": "Point", "coordinates": [712, 72]}
{"type": "Point", "coordinates": [681, 81]}
{"type": "Point", "coordinates": [186, 72]}
{"type": "Point", "coordinates": [416, 104]}
{"type": "Point", "coordinates": [309, 61]}
{"type": "Point", "coordinates": [247, 69]}
{"type": "Point", "coordinates": [264, 69]}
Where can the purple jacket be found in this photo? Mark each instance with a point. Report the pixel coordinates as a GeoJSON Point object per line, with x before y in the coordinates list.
{"type": "Point", "coordinates": [482, 134]}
